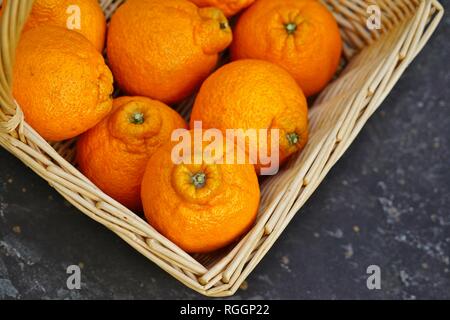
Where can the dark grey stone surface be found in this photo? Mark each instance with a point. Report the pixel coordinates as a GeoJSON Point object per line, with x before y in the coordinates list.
{"type": "Point", "coordinates": [387, 202]}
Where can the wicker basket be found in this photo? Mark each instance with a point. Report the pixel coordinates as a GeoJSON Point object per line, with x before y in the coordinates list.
{"type": "Point", "coordinates": [373, 62]}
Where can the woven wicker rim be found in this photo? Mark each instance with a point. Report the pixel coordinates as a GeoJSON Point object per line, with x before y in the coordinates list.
{"type": "Point", "coordinates": [374, 60]}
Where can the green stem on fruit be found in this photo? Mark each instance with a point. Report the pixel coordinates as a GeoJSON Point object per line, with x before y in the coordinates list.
{"type": "Point", "coordinates": [223, 25]}
{"type": "Point", "coordinates": [137, 118]}
{"type": "Point", "coordinates": [199, 180]}
{"type": "Point", "coordinates": [290, 28]}
{"type": "Point", "coordinates": [293, 138]}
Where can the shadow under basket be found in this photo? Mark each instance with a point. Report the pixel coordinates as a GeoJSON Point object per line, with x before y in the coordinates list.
{"type": "Point", "coordinates": [373, 62]}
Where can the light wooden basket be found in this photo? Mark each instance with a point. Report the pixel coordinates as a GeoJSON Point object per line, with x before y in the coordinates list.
{"type": "Point", "coordinates": [373, 62]}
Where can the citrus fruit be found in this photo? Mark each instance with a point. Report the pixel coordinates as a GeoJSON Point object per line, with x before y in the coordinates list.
{"type": "Point", "coordinates": [83, 16]}
{"type": "Point", "coordinates": [61, 82]}
{"type": "Point", "coordinates": [229, 7]}
{"type": "Point", "coordinates": [199, 206]}
{"type": "Point", "coordinates": [255, 94]}
{"type": "Point", "coordinates": [300, 35]}
{"type": "Point", "coordinates": [114, 153]}
{"type": "Point", "coordinates": [165, 49]}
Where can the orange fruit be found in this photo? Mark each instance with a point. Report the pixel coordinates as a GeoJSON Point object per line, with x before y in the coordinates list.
{"type": "Point", "coordinates": [165, 49]}
{"type": "Point", "coordinates": [61, 82]}
{"type": "Point", "coordinates": [255, 94]}
{"type": "Point", "coordinates": [113, 154]}
{"type": "Point", "coordinates": [229, 7]}
{"type": "Point", "coordinates": [300, 35]}
{"type": "Point", "coordinates": [83, 16]}
{"type": "Point", "coordinates": [200, 207]}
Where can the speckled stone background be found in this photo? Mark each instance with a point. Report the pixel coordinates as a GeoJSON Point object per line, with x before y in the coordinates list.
{"type": "Point", "coordinates": [386, 203]}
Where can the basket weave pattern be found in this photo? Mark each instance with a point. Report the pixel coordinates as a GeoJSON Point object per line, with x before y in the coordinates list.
{"type": "Point", "coordinates": [373, 60]}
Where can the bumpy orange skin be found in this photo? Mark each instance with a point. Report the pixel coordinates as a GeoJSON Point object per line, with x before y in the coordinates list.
{"type": "Point", "coordinates": [165, 49]}
{"type": "Point", "coordinates": [311, 52]}
{"type": "Point", "coordinates": [201, 219]}
{"type": "Point", "coordinates": [113, 154]}
{"type": "Point", "coordinates": [229, 7]}
{"type": "Point", "coordinates": [254, 94]}
{"type": "Point", "coordinates": [56, 13]}
{"type": "Point", "coordinates": [61, 82]}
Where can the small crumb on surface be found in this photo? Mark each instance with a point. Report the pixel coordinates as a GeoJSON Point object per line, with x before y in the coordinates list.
{"type": "Point", "coordinates": [10, 180]}
{"type": "Point", "coordinates": [24, 189]}
{"type": "Point", "coordinates": [348, 251]}
{"type": "Point", "coordinates": [356, 229]}
{"type": "Point", "coordinates": [425, 265]}
{"type": "Point", "coordinates": [17, 229]}
{"type": "Point", "coordinates": [285, 260]}
{"type": "Point", "coordinates": [316, 235]}
{"type": "Point", "coordinates": [244, 285]}
{"type": "Point", "coordinates": [81, 265]}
